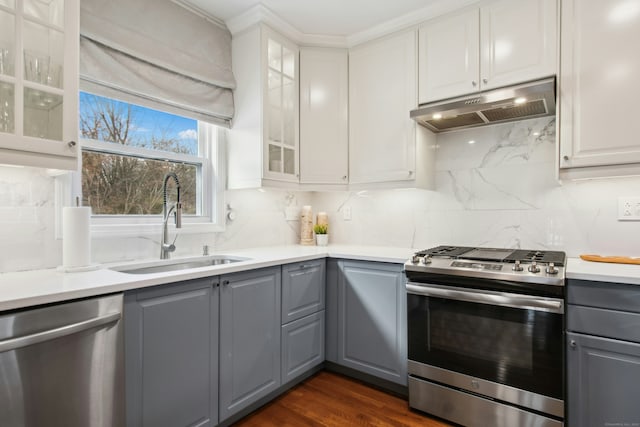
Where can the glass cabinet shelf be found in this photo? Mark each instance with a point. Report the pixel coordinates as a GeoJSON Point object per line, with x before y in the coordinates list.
{"type": "Point", "coordinates": [39, 48]}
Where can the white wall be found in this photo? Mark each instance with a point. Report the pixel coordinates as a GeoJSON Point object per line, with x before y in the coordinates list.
{"type": "Point", "coordinates": [500, 191]}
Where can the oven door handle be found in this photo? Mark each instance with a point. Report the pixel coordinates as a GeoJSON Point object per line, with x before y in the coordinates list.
{"type": "Point", "coordinates": [551, 305]}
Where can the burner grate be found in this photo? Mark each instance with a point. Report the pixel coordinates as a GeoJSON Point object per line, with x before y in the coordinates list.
{"type": "Point", "coordinates": [545, 257]}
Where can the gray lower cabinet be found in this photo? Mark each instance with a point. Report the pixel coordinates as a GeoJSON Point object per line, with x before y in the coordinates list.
{"type": "Point", "coordinates": [302, 345]}
{"type": "Point", "coordinates": [250, 311]}
{"type": "Point", "coordinates": [303, 302]}
{"type": "Point", "coordinates": [171, 350]}
{"type": "Point", "coordinates": [372, 319]}
{"type": "Point", "coordinates": [303, 285]}
{"type": "Point", "coordinates": [603, 376]}
{"type": "Point", "coordinates": [603, 354]}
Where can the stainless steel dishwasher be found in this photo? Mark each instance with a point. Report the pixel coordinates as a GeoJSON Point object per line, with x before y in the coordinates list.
{"type": "Point", "coordinates": [63, 365]}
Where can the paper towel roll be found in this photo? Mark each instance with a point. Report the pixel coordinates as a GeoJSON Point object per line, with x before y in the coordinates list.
{"type": "Point", "coordinates": [76, 237]}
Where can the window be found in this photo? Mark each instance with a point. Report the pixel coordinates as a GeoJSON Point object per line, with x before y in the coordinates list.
{"type": "Point", "coordinates": [126, 152]}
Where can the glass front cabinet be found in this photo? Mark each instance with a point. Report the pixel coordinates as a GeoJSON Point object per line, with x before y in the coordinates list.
{"type": "Point", "coordinates": [280, 108]}
{"type": "Point", "coordinates": [39, 83]}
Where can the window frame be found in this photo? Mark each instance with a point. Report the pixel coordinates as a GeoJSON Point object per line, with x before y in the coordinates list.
{"type": "Point", "coordinates": [210, 182]}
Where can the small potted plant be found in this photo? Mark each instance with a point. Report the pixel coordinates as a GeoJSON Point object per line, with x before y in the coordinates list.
{"type": "Point", "coordinates": [322, 238]}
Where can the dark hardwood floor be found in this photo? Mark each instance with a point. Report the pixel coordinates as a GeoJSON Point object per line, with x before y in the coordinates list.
{"type": "Point", "coordinates": [329, 399]}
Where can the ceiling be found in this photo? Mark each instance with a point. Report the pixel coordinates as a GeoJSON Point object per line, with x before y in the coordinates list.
{"type": "Point", "coordinates": [327, 17]}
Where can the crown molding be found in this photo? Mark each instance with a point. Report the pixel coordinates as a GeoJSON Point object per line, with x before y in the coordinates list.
{"type": "Point", "coordinates": [262, 14]}
{"type": "Point", "coordinates": [411, 19]}
{"type": "Point", "coordinates": [200, 12]}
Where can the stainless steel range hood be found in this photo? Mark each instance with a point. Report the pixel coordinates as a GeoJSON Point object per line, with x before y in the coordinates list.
{"type": "Point", "coordinates": [523, 101]}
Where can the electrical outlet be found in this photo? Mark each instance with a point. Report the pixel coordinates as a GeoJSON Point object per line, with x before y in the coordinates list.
{"type": "Point", "coordinates": [628, 208]}
{"type": "Point", "coordinates": [346, 213]}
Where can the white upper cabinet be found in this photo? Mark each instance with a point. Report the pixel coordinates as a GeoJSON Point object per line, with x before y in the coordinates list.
{"type": "Point", "coordinates": [281, 108]}
{"type": "Point", "coordinates": [385, 146]}
{"type": "Point", "coordinates": [324, 125]}
{"type": "Point", "coordinates": [599, 88]}
{"type": "Point", "coordinates": [517, 41]}
{"type": "Point", "coordinates": [39, 44]}
{"type": "Point", "coordinates": [449, 58]}
{"type": "Point", "coordinates": [263, 144]}
{"type": "Point", "coordinates": [501, 43]}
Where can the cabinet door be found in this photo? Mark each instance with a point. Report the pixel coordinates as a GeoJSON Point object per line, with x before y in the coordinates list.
{"type": "Point", "coordinates": [603, 376]}
{"type": "Point", "coordinates": [249, 338]}
{"type": "Point", "coordinates": [303, 287]}
{"type": "Point", "coordinates": [382, 91]}
{"type": "Point", "coordinates": [324, 131]}
{"type": "Point", "coordinates": [372, 319]}
{"type": "Point", "coordinates": [518, 41]}
{"type": "Point", "coordinates": [302, 345]}
{"type": "Point", "coordinates": [39, 45]}
{"type": "Point", "coordinates": [448, 57]}
{"type": "Point", "coordinates": [599, 84]}
{"type": "Point", "coordinates": [171, 355]}
{"type": "Point", "coordinates": [281, 111]}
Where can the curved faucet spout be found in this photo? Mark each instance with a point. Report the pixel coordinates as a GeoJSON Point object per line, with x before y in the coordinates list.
{"type": "Point", "coordinates": [165, 247]}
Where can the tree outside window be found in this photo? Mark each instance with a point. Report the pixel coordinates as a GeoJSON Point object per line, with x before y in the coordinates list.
{"type": "Point", "coordinates": [127, 151]}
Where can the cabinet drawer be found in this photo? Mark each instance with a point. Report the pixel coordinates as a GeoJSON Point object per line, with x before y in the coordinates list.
{"type": "Point", "coordinates": [303, 286]}
{"type": "Point", "coordinates": [614, 296]}
{"type": "Point", "coordinates": [603, 322]}
{"type": "Point", "coordinates": [302, 345]}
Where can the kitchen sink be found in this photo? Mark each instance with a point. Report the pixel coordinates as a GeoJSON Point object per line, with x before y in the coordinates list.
{"type": "Point", "coordinates": [166, 266]}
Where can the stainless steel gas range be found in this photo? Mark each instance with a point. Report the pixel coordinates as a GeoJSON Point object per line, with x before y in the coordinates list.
{"type": "Point", "coordinates": [485, 335]}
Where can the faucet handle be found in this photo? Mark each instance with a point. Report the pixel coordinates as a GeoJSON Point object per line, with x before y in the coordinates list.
{"type": "Point", "coordinates": [172, 246]}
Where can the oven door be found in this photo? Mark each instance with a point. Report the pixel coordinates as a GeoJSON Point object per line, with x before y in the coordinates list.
{"type": "Point", "coordinates": [510, 339]}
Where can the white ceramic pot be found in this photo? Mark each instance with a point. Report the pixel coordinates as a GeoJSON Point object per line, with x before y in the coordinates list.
{"type": "Point", "coordinates": [322, 239]}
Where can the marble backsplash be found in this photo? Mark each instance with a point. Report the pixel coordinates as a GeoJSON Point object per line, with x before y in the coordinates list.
{"type": "Point", "coordinates": [495, 187]}
{"type": "Point", "coordinates": [498, 191]}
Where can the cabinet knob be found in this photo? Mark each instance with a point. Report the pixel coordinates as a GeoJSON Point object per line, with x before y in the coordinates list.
{"type": "Point", "coordinates": [565, 158]}
{"type": "Point", "coordinates": [474, 83]}
{"type": "Point", "coordinates": [573, 343]}
{"type": "Point", "coordinates": [71, 144]}
{"type": "Point", "coordinates": [485, 81]}
{"type": "Point", "coordinates": [344, 177]}
{"type": "Point", "coordinates": [225, 282]}
{"type": "Point", "coordinates": [410, 173]}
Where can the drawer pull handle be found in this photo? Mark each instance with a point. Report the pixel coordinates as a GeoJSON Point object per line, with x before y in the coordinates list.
{"type": "Point", "coordinates": [573, 343]}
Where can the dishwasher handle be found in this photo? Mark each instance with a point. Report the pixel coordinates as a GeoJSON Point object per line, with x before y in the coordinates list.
{"type": "Point", "coordinates": [15, 343]}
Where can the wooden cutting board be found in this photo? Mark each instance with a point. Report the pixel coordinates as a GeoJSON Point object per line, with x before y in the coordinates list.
{"type": "Point", "coordinates": [611, 259]}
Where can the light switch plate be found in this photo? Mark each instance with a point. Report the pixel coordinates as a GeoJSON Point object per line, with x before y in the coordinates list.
{"type": "Point", "coordinates": [628, 208]}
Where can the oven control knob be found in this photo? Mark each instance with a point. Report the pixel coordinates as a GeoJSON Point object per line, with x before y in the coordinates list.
{"type": "Point", "coordinates": [426, 259]}
{"type": "Point", "coordinates": [517, 266]}
{"type": "Point", "coordinates": [415, 259]}
{"type": "Point", "coordinates": [533, 268]}
{"type": "Point", "coordinates": [551, 269]}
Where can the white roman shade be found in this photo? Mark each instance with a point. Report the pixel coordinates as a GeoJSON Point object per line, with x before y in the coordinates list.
{"type": "Point", "coordinates": [157, 54]}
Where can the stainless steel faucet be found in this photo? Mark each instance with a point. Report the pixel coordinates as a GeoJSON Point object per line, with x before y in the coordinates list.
{"type": "Point", "coordinates": [165, 247]}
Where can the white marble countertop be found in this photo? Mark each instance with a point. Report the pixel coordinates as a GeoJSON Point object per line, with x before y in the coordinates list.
{"type": "Point", "coordinates": [602, 271]}
{"type": "Point", "coordinates": [30, 288]}
{"type": "Point", "coordinates": [25, 289]}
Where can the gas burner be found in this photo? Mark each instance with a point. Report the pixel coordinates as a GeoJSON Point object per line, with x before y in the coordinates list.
{"type": "Point", "coordinates": [504, 264]}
